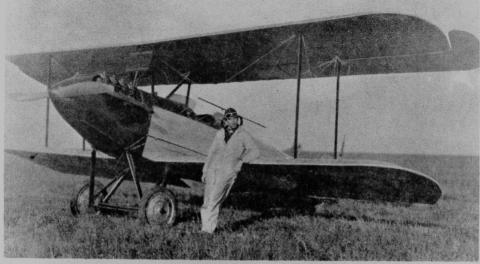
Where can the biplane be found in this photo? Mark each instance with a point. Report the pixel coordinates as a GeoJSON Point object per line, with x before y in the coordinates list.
{"type": "Point", "coordinates": [165, 141]}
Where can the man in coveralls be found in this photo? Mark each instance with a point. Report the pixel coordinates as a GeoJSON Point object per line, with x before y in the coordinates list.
{"type": "Point", "coordinates": [231, 147]}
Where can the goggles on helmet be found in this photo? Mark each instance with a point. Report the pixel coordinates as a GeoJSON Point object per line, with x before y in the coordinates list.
{"type": "Point", "coordinates": [230, 115]}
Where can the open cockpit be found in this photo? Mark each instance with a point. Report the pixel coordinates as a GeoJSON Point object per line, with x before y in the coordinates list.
{"type": "Point", "coordinates": [126, 88]}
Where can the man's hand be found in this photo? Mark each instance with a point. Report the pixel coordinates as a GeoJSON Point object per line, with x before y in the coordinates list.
{"type": "Point", "coordinates": [204, 177]}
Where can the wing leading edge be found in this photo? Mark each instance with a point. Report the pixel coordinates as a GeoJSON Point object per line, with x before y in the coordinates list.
{"type": "Point", "coordinates": [366, 44]}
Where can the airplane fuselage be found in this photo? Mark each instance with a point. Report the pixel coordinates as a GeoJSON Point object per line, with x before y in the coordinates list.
{"type": "Point", "coordinates": [110, 121]}
{"type": "Point", "coordinates": [113, 123]}
{"type": "Point", "coordinates": [110, 124]}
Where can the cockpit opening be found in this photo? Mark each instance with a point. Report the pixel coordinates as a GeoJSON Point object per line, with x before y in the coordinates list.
{"type": "Point", "coordinates": [123, 84]}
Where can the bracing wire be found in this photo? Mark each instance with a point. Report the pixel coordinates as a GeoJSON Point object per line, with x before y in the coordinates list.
{"type": "Point", "coordinates": [182, 75]}
{"type": "Point", "coordinates": [307, 57]}
{"type": "Point", "coordinates": [277, 63]}
{"type": "Point", "coordinates": [261, 57]}
{"type": "Point", "coordinates": [177, 145]}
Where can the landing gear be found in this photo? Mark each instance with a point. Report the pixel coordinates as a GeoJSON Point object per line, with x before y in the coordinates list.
{"type": "Point", "coordinates": [79, 203]}
{"type": "Point", "coordinates": [158, 207]}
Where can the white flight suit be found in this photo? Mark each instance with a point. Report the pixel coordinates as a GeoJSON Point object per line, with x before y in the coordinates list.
{"type": "Point", "coordinates": [223, 163]}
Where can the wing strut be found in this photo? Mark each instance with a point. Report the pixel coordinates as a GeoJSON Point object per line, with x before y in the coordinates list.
{"type": "Point", "coordinates": [338, 67]}
{"type": "Point", "coordinates": [91, 187]}
{"type": "Point", "coordinates": [184, 80]}
{"type": "Point", "coordinates": [297, 109]}
{"type": "Point", "coordinates": [188, 93]}
{"type": "Point", "coordinates": [49, 83]}
{"type": "Point", "coordinates": [152, 85]}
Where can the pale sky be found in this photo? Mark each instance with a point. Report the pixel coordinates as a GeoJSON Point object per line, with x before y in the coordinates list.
{"type": "Point", "coordinates": [424, 113]}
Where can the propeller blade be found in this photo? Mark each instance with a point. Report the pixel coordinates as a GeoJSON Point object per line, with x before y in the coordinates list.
{"type": "Point", "coordinates": [223, 108]}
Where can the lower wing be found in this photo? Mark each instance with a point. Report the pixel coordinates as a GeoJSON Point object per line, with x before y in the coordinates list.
{"type": "Point", "coordinates": [351, 179]}
{"type": "Point", "coordinates": [343, 178]}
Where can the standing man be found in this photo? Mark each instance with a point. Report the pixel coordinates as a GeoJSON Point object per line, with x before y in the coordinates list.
{"type": "Point", "coordinates": [231, 147]}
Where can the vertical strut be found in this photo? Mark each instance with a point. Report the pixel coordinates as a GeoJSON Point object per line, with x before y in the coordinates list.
{"type": "Point", "coordinates": [131, 165]}
{"type": "Point", "coordinates": [91, 190]}
{"type": "Point", "coordinates": [166, 170]}
{"type": "Point", "coordinates": [49, 83]}
{"type": "Point", "coordinates": [153, 83]}
{"type": "Point", "coordinates": [338, 66]}
{"type": "Point", "coordinates": [299, 78]}
{"type": "Point", "coordinates": [188, 94]}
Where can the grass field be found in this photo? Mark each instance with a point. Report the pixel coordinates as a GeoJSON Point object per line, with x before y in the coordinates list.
{"type": "Point", "coordinates": [38, 223]}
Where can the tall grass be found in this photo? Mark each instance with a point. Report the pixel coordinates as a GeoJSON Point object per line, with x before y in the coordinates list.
{"type": "Point", "coordinates": [38, 223]}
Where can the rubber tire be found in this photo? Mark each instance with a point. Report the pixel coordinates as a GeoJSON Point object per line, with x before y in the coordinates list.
{"type": "Point", "coordinates": [167, 215]}
{"type": "Point", "coordinates": [79, 205]}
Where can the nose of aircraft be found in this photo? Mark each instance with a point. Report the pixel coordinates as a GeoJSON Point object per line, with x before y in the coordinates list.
{"type": "Point", "coordinates": [109, 122]}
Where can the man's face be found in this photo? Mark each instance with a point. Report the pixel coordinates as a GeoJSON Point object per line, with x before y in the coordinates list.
{"type": "Point", "coordinates": [121, 80]}
{"type": "Point", "coordinates": [113, 79]}
{"type": "Point", "coordinates": [231, 122]}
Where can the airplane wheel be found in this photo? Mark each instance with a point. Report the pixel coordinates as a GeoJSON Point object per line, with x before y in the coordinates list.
{"type": "Point", "coordinates": [79, 203]}
{"type": "Point", "coordinates": [158, 207]}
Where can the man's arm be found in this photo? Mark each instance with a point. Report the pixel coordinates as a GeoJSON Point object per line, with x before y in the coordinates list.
{"type": "Point", "coordinates": [211, 151]}
{"type": "Point", "coordinates": [251, 150]}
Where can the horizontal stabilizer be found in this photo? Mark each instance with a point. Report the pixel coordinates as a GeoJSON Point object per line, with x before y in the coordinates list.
{"type": "Point", "coordinates": [78, 89]}
{"type": "Point", "coordinates": [84, 88]}
{"type": "Point", "coordinates": [25, 97]}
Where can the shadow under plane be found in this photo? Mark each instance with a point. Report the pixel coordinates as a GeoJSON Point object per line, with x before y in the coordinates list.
{"type": "Point", "coordinates": [164, 141]}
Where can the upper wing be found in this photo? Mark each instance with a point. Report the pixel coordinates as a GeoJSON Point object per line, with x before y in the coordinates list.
{"type": "Point", "coordinates": [366, 44]}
